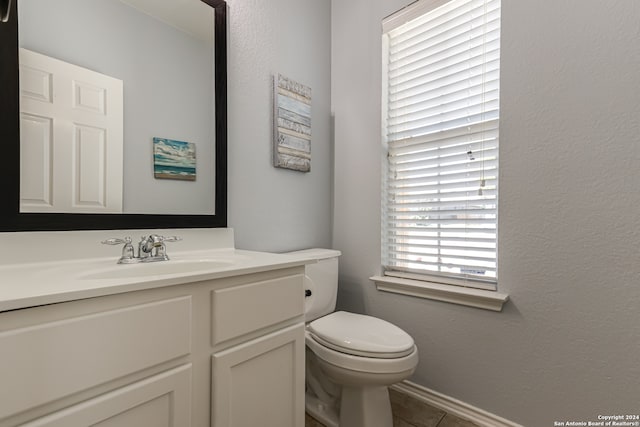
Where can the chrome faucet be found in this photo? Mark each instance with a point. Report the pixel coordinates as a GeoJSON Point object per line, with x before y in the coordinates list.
{"type": "Point", "coordinates": [151, 248]}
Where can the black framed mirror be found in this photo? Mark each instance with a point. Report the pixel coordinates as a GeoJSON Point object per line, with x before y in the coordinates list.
{"type": "Point", "coordinates": [12, 219]}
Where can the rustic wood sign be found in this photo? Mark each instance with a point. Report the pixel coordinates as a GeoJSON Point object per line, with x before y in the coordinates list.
{"type": "Point", "coordinates": [292, 125]}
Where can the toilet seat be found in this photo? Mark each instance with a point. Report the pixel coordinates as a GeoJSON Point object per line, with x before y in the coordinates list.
{"type": "Point", "coordinates": [361, 363]}
{"type": "Point", "coordinates": [360, 335]}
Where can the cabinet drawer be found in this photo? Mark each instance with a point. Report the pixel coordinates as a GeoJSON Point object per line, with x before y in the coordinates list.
{"type": "Point", "coordinates": [242, 309]}
{"type": "Point", "coordinates": [159, 401]}
{"type": "Point", "coordinates": [48, 361]}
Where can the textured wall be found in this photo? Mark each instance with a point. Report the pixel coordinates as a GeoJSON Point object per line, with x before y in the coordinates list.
{"type": "Point", "coordinates": [277, 209]}
{"type": "Point", "coordinates": [567, 345]}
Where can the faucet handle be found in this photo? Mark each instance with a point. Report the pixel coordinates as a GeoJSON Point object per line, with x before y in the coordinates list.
{"type": "Point", "coordinates": [116, 241]}
{"type": "Point", "coordinates": [162, 250]}
{"type": "Point", "coordinates": [128, 256]}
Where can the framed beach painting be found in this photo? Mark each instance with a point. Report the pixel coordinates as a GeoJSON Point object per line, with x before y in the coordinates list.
{"type": "Point", "coordinates": [174, 159]}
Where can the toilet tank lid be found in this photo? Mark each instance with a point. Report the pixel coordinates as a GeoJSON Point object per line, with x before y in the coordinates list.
{"type": "Point", "coordinates": [315, 253]}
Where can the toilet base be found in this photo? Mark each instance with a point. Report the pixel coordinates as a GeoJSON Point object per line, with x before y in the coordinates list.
{"type": "Point", "coordinates": [319, 410]}
{"type": "Point", "coordinates": [360, 407]}
{"type": "Point", "coordinates": [365, 407]}
{"type": "Point", "coordinates": [363, 393]}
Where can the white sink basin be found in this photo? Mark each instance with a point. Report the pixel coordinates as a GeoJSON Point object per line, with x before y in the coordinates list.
{"type": "Point", "coordinates": [161, 268]}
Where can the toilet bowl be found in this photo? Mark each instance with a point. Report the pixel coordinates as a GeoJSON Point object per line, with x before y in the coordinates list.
{"type": "Point", "coordinates": [351, 358]}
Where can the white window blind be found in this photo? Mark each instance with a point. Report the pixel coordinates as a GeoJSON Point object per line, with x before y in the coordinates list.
{"type": "Point", "coordinates": [440, 119]}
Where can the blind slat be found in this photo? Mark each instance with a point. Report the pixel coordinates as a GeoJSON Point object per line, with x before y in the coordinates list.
{"type": "Point", "coordinates": [480, 256]}
{"type": "Point", "coordinates": [435, 203]}
{"type": "Point", "coordinates": [439, 137]}
{"type": "Point", "coordinates": [451, 241]}
{"type": "Point", "coordinates": [441, 182]}
{"type": "Point", "coordinates": [473, 199]}
{"type": "Point", "coordinates": [424, 161]}
{"type": "Point", "coordinates": [448, 264]}
{"type": "Point", "coordinates": [487, 224]}
{"type": "Point", "coordinates": [408, 177]}
{"type": "Point", "coordinates": [448, 168]}
{"type": "Point", "coordinates": [451, 122]}
{"type": "Point", "coordinates": [411, 147]}
{"type": "Point", "coordinates": [449, 232]}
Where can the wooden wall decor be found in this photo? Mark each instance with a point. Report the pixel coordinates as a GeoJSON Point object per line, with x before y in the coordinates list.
{"type": "Point", "coordinates": [292, 124]}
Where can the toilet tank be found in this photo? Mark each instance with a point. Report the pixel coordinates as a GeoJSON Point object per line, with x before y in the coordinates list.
{"type": "Point", "coordinates": [320, 281]}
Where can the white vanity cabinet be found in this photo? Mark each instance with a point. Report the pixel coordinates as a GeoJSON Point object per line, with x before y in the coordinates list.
{"type": "Point", "coordinates": [259, 382]}
{"type": "Point", "coordinates": [221, 353]}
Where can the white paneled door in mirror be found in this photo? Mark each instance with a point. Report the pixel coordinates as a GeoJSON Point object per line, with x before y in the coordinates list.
{"type": "Point", "coordinates": [72, 137]}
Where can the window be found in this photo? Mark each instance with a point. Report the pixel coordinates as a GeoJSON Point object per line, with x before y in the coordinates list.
{"type": "Point", "coordinates": [440, 132]}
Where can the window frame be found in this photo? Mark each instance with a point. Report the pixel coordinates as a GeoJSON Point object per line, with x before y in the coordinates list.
{"type": "Point", "coordinates": [421, 280]}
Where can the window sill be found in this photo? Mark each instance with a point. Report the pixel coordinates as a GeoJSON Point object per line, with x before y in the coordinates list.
{"type": "Point", "coordinates": [478, 298]}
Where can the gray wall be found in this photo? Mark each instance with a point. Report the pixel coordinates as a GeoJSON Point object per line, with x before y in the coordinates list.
{"type": "Point", "coordinates": [168, 89]}
{"type": "Point", "coordinates": [278, 209]}
{"type": "Point", "coordinates": [567, 345]}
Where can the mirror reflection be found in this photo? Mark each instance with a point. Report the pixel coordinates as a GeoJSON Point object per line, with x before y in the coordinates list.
{"type": "Point", "coordinates": [117, 106]}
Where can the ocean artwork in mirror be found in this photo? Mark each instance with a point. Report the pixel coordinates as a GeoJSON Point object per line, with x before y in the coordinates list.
{"type": "Point", "coordinates": [292, 124]}
{"type": "Point", "coordinates": [174, 159]}
{"type": "Point", "coordinates": [171, 60]}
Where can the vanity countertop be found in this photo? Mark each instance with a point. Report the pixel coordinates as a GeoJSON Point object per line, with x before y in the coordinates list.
{"type": "Point", "coordinates": [43, 279]}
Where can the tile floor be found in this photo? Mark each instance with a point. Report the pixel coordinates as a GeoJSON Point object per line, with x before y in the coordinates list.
{"type": "Point", "coordinates": [409, 412]}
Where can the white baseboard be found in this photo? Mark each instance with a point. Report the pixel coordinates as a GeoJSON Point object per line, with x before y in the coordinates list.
{"type": "Point", "coordinates": [452, 406]}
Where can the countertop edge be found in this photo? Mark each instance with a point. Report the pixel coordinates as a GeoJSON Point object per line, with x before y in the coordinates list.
{"type": "Point", "coordinates": [156, 282]}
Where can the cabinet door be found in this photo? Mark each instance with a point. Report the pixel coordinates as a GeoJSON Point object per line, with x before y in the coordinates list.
{"type": "Point", "coordinates": [260, 382]}
{"type": "Point", "coordinates": [163, 400]}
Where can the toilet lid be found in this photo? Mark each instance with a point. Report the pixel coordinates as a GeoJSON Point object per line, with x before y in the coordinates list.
{"type": "Point", "coordinates": [361, 335]}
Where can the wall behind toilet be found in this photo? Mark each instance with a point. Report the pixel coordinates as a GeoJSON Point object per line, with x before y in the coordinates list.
{"type": "Point", "coordinates": [566, 346]}
{"type": "Point", "coordinates": [276, 209]}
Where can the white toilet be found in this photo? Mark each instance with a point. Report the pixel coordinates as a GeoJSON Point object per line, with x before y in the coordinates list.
{"type": "Point", "coordinates": [351, 358]}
